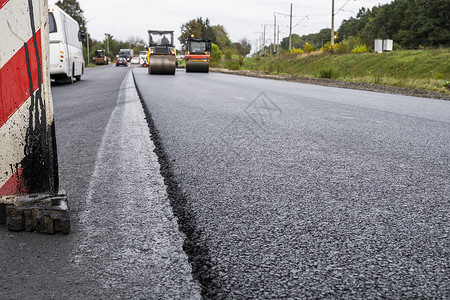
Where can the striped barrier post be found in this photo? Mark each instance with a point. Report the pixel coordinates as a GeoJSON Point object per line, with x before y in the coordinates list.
{"type": "Point", "coordinates": [29, 196]}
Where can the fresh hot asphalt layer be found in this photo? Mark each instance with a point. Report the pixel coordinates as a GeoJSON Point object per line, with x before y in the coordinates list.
{"type": "Point", "coordinates": [125, 242]}
{"type": "Point", "coordinates": [307, 192]}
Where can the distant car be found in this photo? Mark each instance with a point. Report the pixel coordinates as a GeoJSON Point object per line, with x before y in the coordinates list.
{"type": "Point", "coordinates": [126, 56]}
{"type": "Point", "coordinates": [135, 60]}
{"type": "Point", "coordinates": [121, 61]}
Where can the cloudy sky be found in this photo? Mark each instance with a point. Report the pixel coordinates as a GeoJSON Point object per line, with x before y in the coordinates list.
{"type": "Point", "coordinates": [242, 19]}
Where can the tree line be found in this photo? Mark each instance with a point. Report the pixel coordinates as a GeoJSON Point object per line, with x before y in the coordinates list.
{"type": "Point", "coordinates": [410, 23]}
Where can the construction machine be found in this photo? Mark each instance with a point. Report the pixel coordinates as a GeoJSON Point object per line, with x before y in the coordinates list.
{"type": "Point", "coordinates": [162, 54]}
{"type": "Point", "coordinates": [197, 57]}
{"type": "Point", "coordinates": [100, 57]}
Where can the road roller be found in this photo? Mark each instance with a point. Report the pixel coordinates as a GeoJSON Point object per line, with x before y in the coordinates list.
{"type": "Point", "coordinates": [162, 54]}
{"type": "Point", "coordinates": [197, 57]}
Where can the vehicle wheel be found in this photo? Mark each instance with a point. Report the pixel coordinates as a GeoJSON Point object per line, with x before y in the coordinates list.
{"type": "Point", "coordinates": [78, 78]}
{"type": "Point", "coordinates": [69, 80]}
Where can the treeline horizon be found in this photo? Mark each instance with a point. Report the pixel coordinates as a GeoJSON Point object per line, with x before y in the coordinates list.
{"type": "Point", "coordinates": [410, 23]}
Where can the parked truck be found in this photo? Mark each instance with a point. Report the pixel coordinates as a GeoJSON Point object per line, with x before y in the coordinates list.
{"type": "Point", "coordinates": [100, 57]}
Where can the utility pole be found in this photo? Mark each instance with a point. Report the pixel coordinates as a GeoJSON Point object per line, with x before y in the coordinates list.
{"type": "Point", "coordinates": [274, 33]}
{"type": "Point", "coordinates": [278, 41]}
{"type": "Point", "coordinates": [87, 44]}
{"type": "Point", "coordinates": [290, 31]}
{"type": "Point", "coordinates": [332, 25]}
{"type": "Point", "coordinates": [87, 35]}
{"type": "Point", "coordinates": [258, 41]}
{"type": "Point", "coordinates": [264, 39]}
{"type": "Point", "coordinates": [107, 42]}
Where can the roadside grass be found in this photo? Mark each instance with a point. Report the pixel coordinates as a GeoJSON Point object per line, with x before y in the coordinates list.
{"type": "Point", "coordinates": [417, 69]}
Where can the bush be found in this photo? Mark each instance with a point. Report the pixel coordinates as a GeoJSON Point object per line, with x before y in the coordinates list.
{"type": "Point", "coordinates": [216, 55]}
{"type": "Point", "coordinates": [232, 65]}
{"type": "Point", "coordinates": [328, 73]}
{"type": "Point", "coordinates": [326, 47]}
{"type": "Point", "coordinates": [308, 48]}
{"type": "Point", "coordinates": [360, 49]}
{"type": "Point", "coordinates": [295, 51]}
{"type": "Point", "coordinates": [447, 85]}
{"type": "Point", "coordinates": [241, 60]}
{"type": "Point", "coordinates": [341, 48]}
{"type": "Point", "coordinates": [228, 54]}
{"type": "Point", "coordinates": [397, 47]}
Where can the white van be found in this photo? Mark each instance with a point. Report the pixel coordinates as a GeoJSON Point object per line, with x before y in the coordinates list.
{"type": "Point", "coordinates": [66, 49]}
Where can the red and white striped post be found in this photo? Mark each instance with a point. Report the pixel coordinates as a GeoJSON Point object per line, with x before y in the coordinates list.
{"type": "Point", "coordinates": [29, 198]}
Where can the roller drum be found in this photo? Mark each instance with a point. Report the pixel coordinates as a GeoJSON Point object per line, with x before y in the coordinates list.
{"type": "Point", "coordinates": [197, 66]}
{"type": "Point", "coordinates": [162, 65]}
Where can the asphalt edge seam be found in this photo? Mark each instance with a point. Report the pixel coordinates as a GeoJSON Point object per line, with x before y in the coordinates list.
{"type": "Point", "coordinates": [195, 249]}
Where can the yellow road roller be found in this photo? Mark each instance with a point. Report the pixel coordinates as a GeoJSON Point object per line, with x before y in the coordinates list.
{"type": "Point", "coordinates": [197, 57]}
{"type": "Point", "coordinates": [162, 54]}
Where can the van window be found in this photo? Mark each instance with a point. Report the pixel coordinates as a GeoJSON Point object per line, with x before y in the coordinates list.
{"type": "Point", "coordinates": [51, 23]}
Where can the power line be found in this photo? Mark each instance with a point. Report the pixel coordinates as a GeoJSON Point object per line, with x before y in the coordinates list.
{"type": "Point", "coordinates": [341, 9]}
{"type": "Point", "coordinates": [305, 17]}
{"type": "Point", "coordinates": [287, 15]}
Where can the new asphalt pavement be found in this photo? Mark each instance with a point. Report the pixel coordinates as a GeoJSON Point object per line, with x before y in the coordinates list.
{"type": "Point", "coordinates": [292, 191]}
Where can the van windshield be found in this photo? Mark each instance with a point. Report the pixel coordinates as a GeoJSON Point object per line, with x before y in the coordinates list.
{"type": "Point", "coordinates": [51, 23]}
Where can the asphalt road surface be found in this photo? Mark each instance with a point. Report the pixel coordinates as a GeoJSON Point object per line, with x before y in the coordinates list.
{"type": "Point", "coordinates": [125, 242]}
{"type": "Point", "coordinates": [292, 191]}
{"type": "Point", "coordinates": [240, 188]}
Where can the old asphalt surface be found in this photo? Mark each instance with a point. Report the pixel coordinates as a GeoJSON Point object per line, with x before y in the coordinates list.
{"type": "Point", "coordinates": [125, 242]}
{"type": "Point", "coordinates": [255, 189]}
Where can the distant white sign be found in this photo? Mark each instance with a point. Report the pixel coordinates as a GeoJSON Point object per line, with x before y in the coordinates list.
{"type": "Point", "coordinates": [388, 45]}
{"type": "Point", "coordinates": [378, 46]}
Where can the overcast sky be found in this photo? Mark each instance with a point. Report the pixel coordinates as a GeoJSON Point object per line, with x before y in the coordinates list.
{"type": "Point", "coordinates": [242, 19]}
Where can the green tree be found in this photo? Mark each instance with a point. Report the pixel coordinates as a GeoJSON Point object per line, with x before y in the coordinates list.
{"type": "Point", "coordinates": [222, 39]}
{"type": "Point", "coordinates": [136, 43]}
{"type": "Point", "coordinates": [208, 32]}
{"type": "Point", "coordinates": [297, 42]}
{"type": "Point", "coordinates": [243, 47]}
{"type": "Point", "coordinates": [201, 29]}
{"type": "Point", "coordinates": [187, 29]}
{"type": "Point", "coordinates": [408, 22]}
